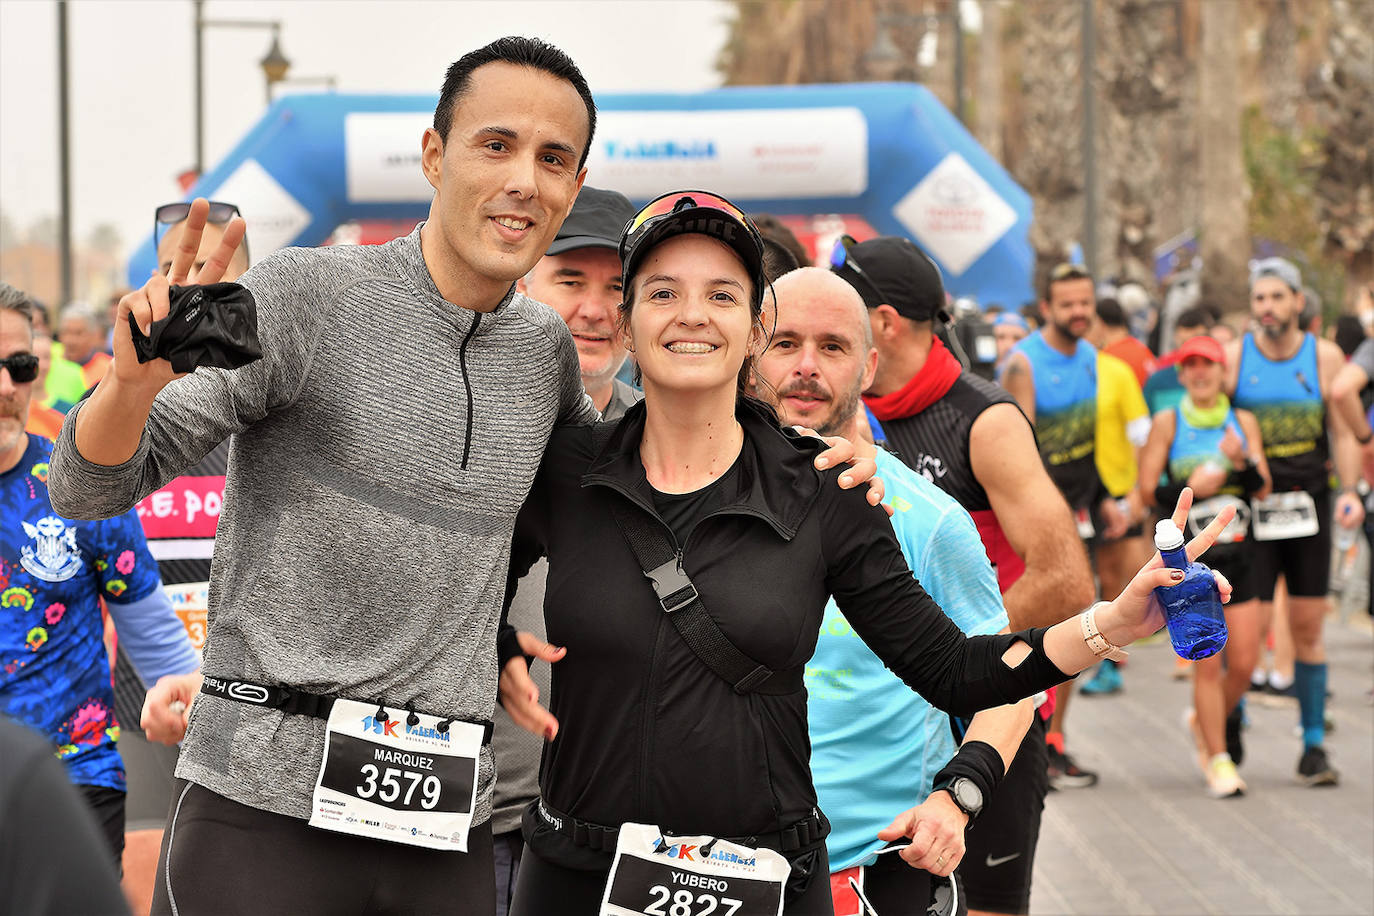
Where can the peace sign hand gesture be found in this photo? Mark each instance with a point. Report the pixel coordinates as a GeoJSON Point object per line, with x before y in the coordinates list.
{"type": "Point", "coordinates": [152, 302]}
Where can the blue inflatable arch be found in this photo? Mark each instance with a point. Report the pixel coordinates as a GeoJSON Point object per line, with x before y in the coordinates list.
{"type": "Point", "coordinates": [888, 153]}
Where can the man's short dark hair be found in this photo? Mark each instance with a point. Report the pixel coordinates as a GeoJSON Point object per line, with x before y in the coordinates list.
{"type": "Point", "coordinates": [1198, 316]}
{"type": "Point", "coordinates": [774, 229]}
{"type": "Point", "coordinates": [777, 259]}
{"type": "Point", "coordinates": [1110, 313]}
{"type": "Point", "coordinates": [523, 52]}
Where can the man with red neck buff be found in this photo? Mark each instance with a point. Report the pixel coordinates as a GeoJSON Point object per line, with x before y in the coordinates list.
{"type": "Point", "coordinates": [969, 438]}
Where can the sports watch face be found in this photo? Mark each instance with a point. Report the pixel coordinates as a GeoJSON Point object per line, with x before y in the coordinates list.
{"type": "Point", "coordinates": [967, 795]}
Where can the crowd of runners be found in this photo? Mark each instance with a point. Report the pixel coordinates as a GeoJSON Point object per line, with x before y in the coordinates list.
{"type": "Point", "coordinates": [532, 563]}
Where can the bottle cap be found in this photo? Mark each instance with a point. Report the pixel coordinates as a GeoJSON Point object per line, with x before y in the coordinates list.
{"type": "Point", "coordinates": [1167, 535]}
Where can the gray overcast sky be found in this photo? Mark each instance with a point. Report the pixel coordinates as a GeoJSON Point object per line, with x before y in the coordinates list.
{"type": "Point", "coordinates": [131, 77]}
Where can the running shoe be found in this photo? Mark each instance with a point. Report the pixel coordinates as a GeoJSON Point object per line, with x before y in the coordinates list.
{"type": "Point", "coordinates": [1234, 723]}
{"type": "Point", "coordinates": [1066, 774]}
{"type": "Point", "coordinates": [1222, 779]}
{"type": "Point", "coordinates": [1107, 679]}
{"type": "Point", "coordinates": [1279, 696]}
{"type": "Point", "coordinates": [1315, 770]}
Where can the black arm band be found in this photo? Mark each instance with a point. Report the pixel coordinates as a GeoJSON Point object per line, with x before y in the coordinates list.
{"type": "Point", "coordinates": [1251, 479]}
{"type": "Point", "coordinates": [977, 761]}
{"type": "Point", "coordinates": [508, 647]}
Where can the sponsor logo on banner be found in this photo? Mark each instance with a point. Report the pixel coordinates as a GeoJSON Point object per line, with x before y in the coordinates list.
{"type": "Point", "coordinates": [188, 507]}
{"type": "Point", "coordinates": [746, 154]}
{"type": "Point", "coordinates": [754, 153]}
{"type": "Point", "coordinates": [382, 156]}
{"type": "Point", "coordinates": [190, 601]}
{"type": "Point", "coordinates": [955, 214]}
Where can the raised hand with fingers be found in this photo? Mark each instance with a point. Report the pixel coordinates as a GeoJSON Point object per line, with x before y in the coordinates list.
{"type": "Point", "coordinates": [151, 303]}
{"type": "Point", "coordinates": [1136, 612]}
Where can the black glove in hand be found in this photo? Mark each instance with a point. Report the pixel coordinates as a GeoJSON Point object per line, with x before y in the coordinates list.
{"type": "Point", "coordinates": [215, 325]}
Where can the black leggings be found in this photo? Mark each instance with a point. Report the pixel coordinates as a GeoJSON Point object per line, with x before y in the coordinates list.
{"type": "Point", "coordinates": [543, 889]}
{"type": "Point", "coordinates": [223, 858]}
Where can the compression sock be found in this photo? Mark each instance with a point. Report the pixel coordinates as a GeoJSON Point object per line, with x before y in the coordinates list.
{"type": "Point", "coordinates": [1055, 740]}
{"type": "Point", "coordinates": [1311, 689]}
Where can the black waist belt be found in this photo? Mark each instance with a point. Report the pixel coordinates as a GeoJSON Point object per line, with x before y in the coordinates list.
{"type": "Point", "coordinates": [800, 835]}
{"type": "Point", "coordinates": [299, 703]}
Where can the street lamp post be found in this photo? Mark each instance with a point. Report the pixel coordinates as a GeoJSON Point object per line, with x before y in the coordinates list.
{"type": "Point", "coordinates": [274, 65]}
{"type": "Point", "coordinates": [884, 57]}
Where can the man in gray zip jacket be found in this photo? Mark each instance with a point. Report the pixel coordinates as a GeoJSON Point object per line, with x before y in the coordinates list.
{"type": "Point", "coordinates": [381, 449]}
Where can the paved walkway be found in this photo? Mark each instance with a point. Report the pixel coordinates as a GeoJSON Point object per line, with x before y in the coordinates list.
{"type": "Point", "coordinates": [1148, 839]}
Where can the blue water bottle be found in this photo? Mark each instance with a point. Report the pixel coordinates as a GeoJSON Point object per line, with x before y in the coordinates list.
{"type": "Point", "coordinates": [1193, 609]}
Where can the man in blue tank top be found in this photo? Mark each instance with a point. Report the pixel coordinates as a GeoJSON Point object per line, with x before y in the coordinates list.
{"type": "Point", "coordinates": [1053, 376]}
{"type": "Point", "coordinates": [1284, 376]}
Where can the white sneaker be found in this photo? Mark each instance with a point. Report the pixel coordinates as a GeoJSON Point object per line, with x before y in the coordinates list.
{"type": "Point", "coordinates": [1222, 779]}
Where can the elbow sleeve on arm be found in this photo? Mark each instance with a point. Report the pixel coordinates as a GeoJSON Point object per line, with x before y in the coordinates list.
{"type": "Point", "coordinates": [989, 681]}
{"type": "Point", "coordinates": [150, 631]}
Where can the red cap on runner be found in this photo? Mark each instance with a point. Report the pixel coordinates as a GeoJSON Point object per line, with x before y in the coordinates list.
{"type": "Point", "coordinates": [1208, 348]}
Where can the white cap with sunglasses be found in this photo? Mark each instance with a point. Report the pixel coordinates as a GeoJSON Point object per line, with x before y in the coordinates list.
{"type": "Point", "coordinates": [220, 213]}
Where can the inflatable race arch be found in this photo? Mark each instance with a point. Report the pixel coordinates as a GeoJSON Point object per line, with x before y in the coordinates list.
{"type": "Point", "coordinates": [885, 154]}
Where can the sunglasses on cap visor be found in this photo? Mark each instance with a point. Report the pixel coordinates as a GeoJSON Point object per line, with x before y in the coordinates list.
{"type": "Point", "coordinates": [171, 214]}
{"type": "Point", "coordinates": [23, 367]}
{"type": "Point", "coordinates": [840, 257]}
{"type": "Point", "coordinates": [1067, 271]}
{"type": "Point", "coordinates": [682, 200]}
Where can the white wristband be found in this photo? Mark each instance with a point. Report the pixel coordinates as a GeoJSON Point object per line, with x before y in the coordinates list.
{"type": "Point", "coordinates": [1097, 643]}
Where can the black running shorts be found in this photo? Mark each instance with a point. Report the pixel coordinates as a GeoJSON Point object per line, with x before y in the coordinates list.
{"type": "Point", "coordinates": [1001, 844]}
{"type": "Point", "coordinates": [1237, 563]}
{"type": "Point", "coordinates": [1304, 562]}
{"type": "Point", "coordinates": [222, 858]}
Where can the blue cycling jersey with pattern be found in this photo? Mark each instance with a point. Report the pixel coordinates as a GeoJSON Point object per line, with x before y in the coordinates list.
{"type": "Point", "coordinates": [54, 670]}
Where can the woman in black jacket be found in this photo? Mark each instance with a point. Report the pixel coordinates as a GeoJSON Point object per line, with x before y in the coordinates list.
{"type": "Point", "coordinates": [651, 724]}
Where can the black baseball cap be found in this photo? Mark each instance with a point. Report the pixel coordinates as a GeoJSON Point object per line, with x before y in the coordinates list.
{"type": "Point", "coordinates": [597, 219]}
{"type": "Point", "coordinates": [683, 212]}
{"type": "Point", "coordinates": [893, 271]}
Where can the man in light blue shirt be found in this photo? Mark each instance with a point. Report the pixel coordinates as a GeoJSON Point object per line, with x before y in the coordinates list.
{"type": "Point", "coordinates": [876, 745]}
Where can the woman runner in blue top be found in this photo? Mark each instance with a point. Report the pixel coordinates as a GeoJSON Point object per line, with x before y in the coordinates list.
{"type": "Point", "coordinates": [1215, 449]}
{"type": "Point", "coordinates": [666, 788]}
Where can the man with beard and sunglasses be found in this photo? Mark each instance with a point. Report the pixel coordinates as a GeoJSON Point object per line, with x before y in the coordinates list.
{"type": "Point", "coordinates": [55, 575]}
{"type": "Point", "coordinates": [1285, 376]}
{"type": "Point", "coordinates": [967, 436]}
{"type": "Point", "coordinates": [875, 744]}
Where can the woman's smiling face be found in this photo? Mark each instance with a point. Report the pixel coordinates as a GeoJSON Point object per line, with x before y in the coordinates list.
{"type": "Point", "coordinates": [691, 324]}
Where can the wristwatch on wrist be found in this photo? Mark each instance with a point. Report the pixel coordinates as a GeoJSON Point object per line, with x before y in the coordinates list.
{"type": "Point", "coordinates": [966, 795]}
{"type": "Point", "coordinates": [1097, 643]}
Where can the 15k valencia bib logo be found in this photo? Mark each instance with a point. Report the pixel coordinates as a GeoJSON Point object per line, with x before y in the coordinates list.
{"type": "Point", "coordinates": [53, 556]}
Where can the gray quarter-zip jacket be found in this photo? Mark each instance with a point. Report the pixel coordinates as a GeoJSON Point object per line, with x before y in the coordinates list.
{"type": "Point", "coordinates": [381, 450]}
